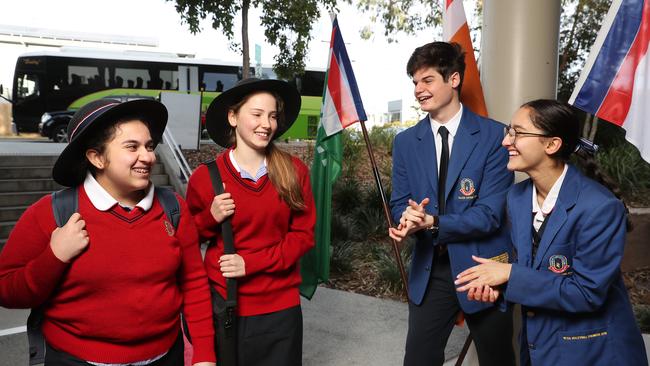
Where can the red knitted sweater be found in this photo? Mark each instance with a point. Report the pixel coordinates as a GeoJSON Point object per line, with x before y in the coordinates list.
{"type": "Point", "coordinates": [268, 235]}
{"type": "Point", "coordinates": [119, 301]}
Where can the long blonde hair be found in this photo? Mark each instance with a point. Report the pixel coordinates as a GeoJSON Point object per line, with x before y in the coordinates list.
{"type": "Point", "coordinates": [280, 168]}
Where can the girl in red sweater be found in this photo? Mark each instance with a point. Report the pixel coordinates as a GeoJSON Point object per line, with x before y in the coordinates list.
{"type": "Point", "coordinates": [270, 205]}
{"type": "Point", "coordinates": [113, 280]}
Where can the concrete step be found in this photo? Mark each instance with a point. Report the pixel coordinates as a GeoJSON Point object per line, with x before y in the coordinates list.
{"type": "Point", "coordinates": [12, 213]}
{"type": "Point", "coordinates": [9, 199]}
{"type": "Point", "coordinates": [5, 229]}
{"type": "Point", "coordinates": [26, 172]}
{"type": "Point", "coordinates": [27, 160]}
{"type": "Point", "coordinates": [29, 185]}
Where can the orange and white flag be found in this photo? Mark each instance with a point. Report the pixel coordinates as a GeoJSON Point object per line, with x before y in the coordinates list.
{"type": "Point", "coordinates": [455, 29]}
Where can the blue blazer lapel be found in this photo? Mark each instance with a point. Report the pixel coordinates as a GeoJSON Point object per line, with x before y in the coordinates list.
{"type": "Point", "coordinates": [427, 153]}
{"type": "Point", "coordinates": [465, 141]}
{"type": "Point", "coordinates": [522, 221]}
{"type": "Point", "coordinates": [565, 201]}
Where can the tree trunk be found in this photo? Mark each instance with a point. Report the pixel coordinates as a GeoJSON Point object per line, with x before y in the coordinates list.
{"type": "Point", "coordinates": [565, 55]}
{"type": "Point", "coordinates": [244, 39]}
{"type": "Point", "coordinates": [586, 127]}
{"type": "Point", "coordinates": [594, 128]}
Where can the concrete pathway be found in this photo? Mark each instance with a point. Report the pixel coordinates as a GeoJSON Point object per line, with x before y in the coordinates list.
{"type": "Point", "coordinates": [340, 329]}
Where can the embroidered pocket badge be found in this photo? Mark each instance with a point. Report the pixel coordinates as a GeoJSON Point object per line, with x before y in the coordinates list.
{"type": "Point", "coordinates": [467, 189]}
{"type": "Point", "coordinates": [558, 263]}
{"type": "Point", "coordinates": [169, 228]}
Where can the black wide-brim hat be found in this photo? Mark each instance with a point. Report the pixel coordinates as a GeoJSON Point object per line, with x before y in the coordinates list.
{"type": "Point", "coordinates": [216, 118]}
{"type": "Point", "coordinates": [70, 168]}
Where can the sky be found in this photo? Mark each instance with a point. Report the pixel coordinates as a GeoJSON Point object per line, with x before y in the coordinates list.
{"type": "Point", "coordinates": [379, 66]}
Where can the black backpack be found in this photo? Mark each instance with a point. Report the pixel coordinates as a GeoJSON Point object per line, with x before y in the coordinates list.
{"type": "Point", "coordinates": [64, 204]}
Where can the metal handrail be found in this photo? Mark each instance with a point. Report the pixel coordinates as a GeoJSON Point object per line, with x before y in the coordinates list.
{"type": "Point", "coordinates": [185, 169]}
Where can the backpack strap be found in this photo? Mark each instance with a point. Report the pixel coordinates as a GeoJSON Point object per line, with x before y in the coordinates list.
{"type": "Point", "coordinates": [170, 205]}
{"type": "Point", "coordinates": [64, 203]}
{"type": "Point", "coordinates": [226, 233]}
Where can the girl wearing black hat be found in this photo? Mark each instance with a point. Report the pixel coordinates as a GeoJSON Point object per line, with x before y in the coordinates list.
{"type": "Point", "coordinates": [569, 233]}
{"type": "Point", "coordinates": [269, 203]}
{"type": "Point", "coordinates": [112, 281]}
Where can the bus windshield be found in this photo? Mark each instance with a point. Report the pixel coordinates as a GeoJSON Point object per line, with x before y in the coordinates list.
{"type": "Point", "coordinates": [27, 85]}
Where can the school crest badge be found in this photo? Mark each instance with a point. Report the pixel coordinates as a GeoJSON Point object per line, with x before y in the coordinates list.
{"type": "Point", "coordinates": [467, 189]}
{"type": "Point", "coordinates": [169, 228]}
{"type": "Point", "coordinates": [558, 263]}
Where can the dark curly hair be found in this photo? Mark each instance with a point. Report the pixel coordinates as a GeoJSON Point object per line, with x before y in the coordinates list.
{"type": "Point", "coordinates": [446, 58]}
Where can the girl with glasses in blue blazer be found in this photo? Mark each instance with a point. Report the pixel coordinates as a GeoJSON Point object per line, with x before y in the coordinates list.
{"type": "Point", "coordinates": [568, 231]}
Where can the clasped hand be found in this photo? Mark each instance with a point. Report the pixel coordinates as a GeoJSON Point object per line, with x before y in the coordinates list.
{"type": "Point", "coordinates": [481, 281]}
{"type": "Point", "coordinates": [414, 218]}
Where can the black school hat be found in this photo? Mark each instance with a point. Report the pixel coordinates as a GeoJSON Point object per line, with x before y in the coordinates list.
{"type": "Point", "coordinates": [216, 118]}
{"type": "Point", "coordinates": [70, 168]}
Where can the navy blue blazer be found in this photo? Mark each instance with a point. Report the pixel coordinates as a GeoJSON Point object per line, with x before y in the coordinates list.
{"type": "Point", "coordinates": [477, 182]}
{"type": "Point", "coordinates": [576, 309]}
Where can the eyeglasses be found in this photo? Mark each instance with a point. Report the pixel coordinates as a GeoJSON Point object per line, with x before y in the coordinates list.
{"type": "Point", "coordinates": [513, 134]}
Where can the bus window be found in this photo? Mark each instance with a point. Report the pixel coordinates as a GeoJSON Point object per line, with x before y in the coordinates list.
{"type": "Point", "coordinates": [27, 86]}
{"type": "Point", "coordinates": [132, 78]}
{"type": "Point", "coordinates": [84, 75]}
{"type": "Point", "coordinates": [170, 79]}
{"type": "Point", "coordinates": [268, 73]}
{"type": "Point", "coordinates": [217, 81]}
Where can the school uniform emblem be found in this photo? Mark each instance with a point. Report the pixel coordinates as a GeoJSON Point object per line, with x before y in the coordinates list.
{"type": "Point", "coordinates": [467, 189]}
{"type": "Point", "coordinates": [169, 228]}
{"type": "Point", "coordinates": [558, 263]}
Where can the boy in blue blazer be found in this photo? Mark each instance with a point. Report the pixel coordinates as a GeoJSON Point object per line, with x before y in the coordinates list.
{"type": "Point", "coordinates": [449, 186]}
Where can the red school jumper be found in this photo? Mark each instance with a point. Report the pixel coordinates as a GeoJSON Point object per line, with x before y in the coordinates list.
{"type": "Point", "coordinates": [119, 301]}
{"type": "Point", "coordinates": [268, 235]}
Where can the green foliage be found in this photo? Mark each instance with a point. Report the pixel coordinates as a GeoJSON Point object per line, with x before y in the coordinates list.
{"type": "Point", "coordinates": [341, 257]}
{"type": "Point", "coordinates": [386, 266]}
{"type": "Point", "coordinates": [383, 136]}
{"type": "Point", "coordinates": [642, 313]}
{"type": "Point", "coordinates": [353, 152]}
{"type": "Point", "coordinates": [624, 164]}
{"type": "Point", "coordinates": [359, 229]}
{"type": "Point", "coordinates": [287, 25]}
{"type": "Point", "coordinates": [406, 16]}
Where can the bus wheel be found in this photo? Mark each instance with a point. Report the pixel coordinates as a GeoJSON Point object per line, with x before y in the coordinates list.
{"type": "Point", "coordinates": [60, 134]}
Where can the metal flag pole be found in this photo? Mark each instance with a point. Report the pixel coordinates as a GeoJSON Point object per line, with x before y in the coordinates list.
{"type": "Point", "coordinates": [389, 221]}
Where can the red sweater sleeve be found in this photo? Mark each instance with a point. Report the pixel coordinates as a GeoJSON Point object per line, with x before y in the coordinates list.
{"type": "Point", "coordinates": [197, 305]}
{"type": "Point", "coordinates": [29, 270]}
{"type": "Point", "coordinates": [298, 240]}
{"type": "Point", "coordinates": [199, 201]}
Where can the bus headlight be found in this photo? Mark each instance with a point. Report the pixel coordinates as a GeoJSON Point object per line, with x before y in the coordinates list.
{"type": "Point", "coordinates": [45, 117]}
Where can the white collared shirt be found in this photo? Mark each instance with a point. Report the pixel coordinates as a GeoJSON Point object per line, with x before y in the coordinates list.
{"type": "Point", "coordinates": [549, 201]}
{"type": "Point", "coordinates": [103, 201]}
{"type": "Point", "coordinates": [451, 126]}
{"type": "Point", "coordinates": [261, 171]}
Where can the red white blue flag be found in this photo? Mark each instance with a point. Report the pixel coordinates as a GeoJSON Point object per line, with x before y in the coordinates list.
{"type": "Point", "coordinates": [342, 104]}
{"type": "Point", "coordinates": [615, 83]}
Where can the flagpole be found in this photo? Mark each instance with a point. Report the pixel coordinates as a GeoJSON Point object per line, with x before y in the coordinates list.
{"type": "Point", "coordinates": [375, 172]}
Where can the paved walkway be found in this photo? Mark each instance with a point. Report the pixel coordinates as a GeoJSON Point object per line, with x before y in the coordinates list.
{"type": "Point", "coordinates": [340, 329]}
